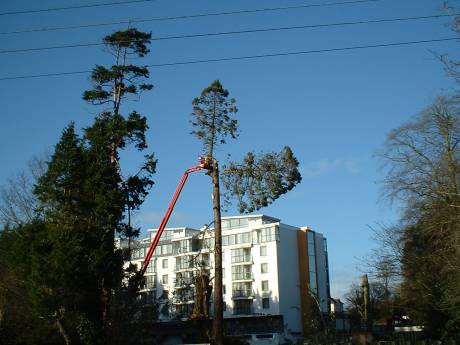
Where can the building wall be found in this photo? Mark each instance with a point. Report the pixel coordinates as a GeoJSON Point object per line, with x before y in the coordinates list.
{"type": "Point", "coordinates": [254, 227]}
{"type": "Point", "coordinates": [288, 279]}
{"type": "Point", "coordinates": [322, 273]}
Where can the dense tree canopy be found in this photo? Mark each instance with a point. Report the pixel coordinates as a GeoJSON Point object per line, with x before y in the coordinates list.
{"type": "Point", "coordinates": [72, 273]}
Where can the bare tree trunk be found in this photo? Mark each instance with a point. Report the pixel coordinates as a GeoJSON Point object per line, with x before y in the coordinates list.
{"type": "Point", "coordinates": [218, 325]}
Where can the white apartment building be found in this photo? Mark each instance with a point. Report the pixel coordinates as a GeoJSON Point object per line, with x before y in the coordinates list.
{"type": "Point", "coordinates": [268, 269]}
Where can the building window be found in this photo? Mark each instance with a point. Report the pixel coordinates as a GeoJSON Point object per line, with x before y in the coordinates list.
{"type": "Point", "coordinates": [241, 272]}
{"type": "Point", "coordinates": [263, 250]}
{"type": "Point", "coordinates": [203, 260]}
{"type": "Point", "coordinates": [234, 223]}
{"type": "Point", "coordinates": [164, 279]}
{"type": "Point", "coordinates": [185, 295]}
{"type": "Point", "coordinates": [265, 303]}
{"type": "Point", "coordinates": [165, 249]}
{"type": "Point", "coordinates": [264, 285]}
{"type": "Point", "coordinates": [184, 262]}
{"type": "Point", "coordinates": [151, 267]}
{"type": "Point", "coordinates": [312, 261]}
{"type": "Point", "coordinates": [208, 243]}
{"type": "Point", "coordinates": [149, 282]}
{"type": "Point", "coordinates": [242, 290]}
{"type": "Point", "coordinates": [241, 255]}
{"type": "Point", "coordinates": [242, 307]}
{"type": "Point", "coordinates": [182, 246]}
{"type": "Point", "coordinates": [164, 263]}
{"type": "Point", "coordinates": [224, 290]}
{"type": "Point", "coordinates": [244, 237]}
{"type": "Point", "coordinates": [166, 235]}
{"type": "Point", "coordinates": [264, 268]}
{"type": "Point", "coordinates": [224, 306]}
{"type": "Point", "coordinates": [268, 234]}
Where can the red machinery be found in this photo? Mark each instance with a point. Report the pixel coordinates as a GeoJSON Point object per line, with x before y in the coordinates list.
{"type": "Point", "coordinates": [205, 163]}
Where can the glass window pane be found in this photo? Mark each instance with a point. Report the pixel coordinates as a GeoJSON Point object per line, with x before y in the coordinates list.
{"type": "Point", "coordinates": [234, 223]}
{"type": "Point", "coordinates": [265, 303]}
{"type": "Point", "coordinates": [264, 285]}
{"type": "Point", "coordinates": [264, 268]}
{"type": "Point", "coordinates": [263, 250]}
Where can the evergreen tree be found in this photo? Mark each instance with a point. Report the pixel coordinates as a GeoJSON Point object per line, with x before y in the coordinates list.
{"type": "Point", "coordinates": [65, 253]}
{"type": "Point", "coordinates": [20, 321]}
{"type": "Point", "coordinates": [85, 200]}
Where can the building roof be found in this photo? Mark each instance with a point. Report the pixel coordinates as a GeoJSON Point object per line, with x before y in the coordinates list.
{"type": "Point", "coordinates": [263, 216]}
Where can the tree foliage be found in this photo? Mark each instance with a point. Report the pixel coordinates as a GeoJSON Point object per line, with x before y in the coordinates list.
{"type": "Point", "coordinates": [113, 84]}
{"type": "Point", "coordinates": [422, 161]}
{"type": "Point", "coordinates": [75, 280]}
{"type": "Point", "coordinates": [213, 117]}
{"type": "Point", "coordinates": [20, 322]}
{"type": "Point", "coordinates": [261, 179]}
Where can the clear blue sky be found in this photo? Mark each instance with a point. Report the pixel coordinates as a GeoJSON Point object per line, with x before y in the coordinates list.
{"type": "Point", "coordinates": [334, 109]}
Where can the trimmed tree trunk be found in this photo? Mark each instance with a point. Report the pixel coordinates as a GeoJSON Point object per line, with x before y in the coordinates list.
{"type": "Point", "coordinates": [218, 325]}
{"type": "Point", "coordinates": [365, 287]}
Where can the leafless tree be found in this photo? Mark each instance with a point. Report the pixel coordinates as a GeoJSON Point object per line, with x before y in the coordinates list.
{"type": "Point", "coordinates": [17, 201]}
{"type": "Point", "coordinates": [422, 166]}
{"type": "Point", "coordinates": [421, 158]}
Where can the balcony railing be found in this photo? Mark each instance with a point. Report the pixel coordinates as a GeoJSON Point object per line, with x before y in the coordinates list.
{"type": "Point", "coordinates": [242, 276]}
{"type": "Point", "coordinates": [242, 293]}
{"type": "Point", "coordinates": [183, 283]}
{"type": "Point", "coordinates": [181, 250]}
{"type": "Point", "coordinates": [241, 259]}
{"type": "Point", "coordinates": [184, 266]}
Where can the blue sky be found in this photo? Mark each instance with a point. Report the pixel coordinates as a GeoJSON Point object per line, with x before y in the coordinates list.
{"type": "Point", "coordinates": [334, 109]}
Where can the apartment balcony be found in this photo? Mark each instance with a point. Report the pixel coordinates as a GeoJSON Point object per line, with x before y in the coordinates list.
{"type": "Point", "coordinates": [184, 267]}
{"type": "Point", "coordinates": [182, 251]}
{"type": "Point", "coordinates": [150, 282]}
{"type": "Point", "coordinates": [148, 287]}
{"type": "Point", "coordinates": [183, 284]}
{"type": "Point", "coordinates": [242, 260]}
{"type": "Point", "coordinates": [242, 276]}
{"type": "Point", "coordinates": [243, 294]}
{"type": "Point", "coordinates": [191, 266]}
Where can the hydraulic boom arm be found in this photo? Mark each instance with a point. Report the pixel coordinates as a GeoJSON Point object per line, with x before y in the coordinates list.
{"type": "Point", "coordinates": [204, 164]}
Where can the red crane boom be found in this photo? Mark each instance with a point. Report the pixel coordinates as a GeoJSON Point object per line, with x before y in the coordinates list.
{"type": "Point", "coordinates": [204, 164]}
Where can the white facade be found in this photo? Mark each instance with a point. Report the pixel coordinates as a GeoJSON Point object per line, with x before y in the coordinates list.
{"type": "Point", "coordinates": [260, 269]}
